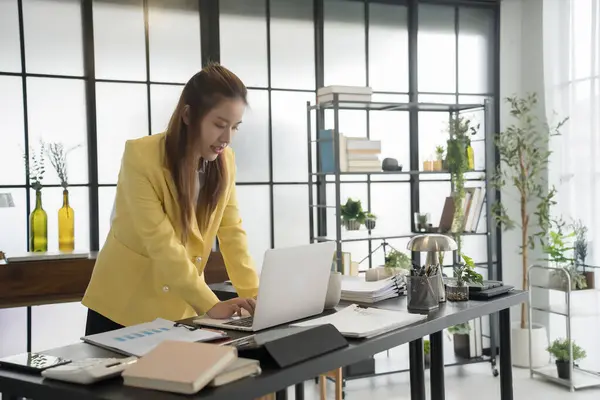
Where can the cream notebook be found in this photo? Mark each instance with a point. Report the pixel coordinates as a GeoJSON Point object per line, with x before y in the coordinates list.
{"type": "Point", "coordinates": [180, 367]}
{"type": "Point", "coordinates": [241, 368]}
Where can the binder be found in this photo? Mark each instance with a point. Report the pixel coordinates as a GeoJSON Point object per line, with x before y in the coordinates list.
{"type": "Point", "coordinates": [356, 289]}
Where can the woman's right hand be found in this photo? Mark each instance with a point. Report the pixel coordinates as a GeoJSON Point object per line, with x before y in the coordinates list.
{"type": "Point", "coordinates": [226, 309]}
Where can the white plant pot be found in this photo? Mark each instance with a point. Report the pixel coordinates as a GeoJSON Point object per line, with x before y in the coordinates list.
{"type": "Point", "coordinates": [520, 346]}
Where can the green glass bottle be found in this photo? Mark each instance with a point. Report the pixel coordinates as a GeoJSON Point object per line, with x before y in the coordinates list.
{"type": "Point", "coordinates": [66, 225]}
{"type": "Point", "coordinates": [38, 222]}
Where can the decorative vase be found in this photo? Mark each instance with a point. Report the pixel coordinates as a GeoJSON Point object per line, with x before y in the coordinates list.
{"type": "Point", "coordinates": [437, 165]}
{"type": "Point", "coordinates": [562, 369]}
{"type": "Point", "coordinates": [462, 346]}
{"type": "Point", "coordinates": [370, 224]}
{"type": "Point", "coordinates": [428, 166]}
{"type": "Point", "coordinates": [38, 226]}
{"type": "Point", "coordinates": [455, 292]}
{"type": "Point", "coordinates": [66, 225]}
{"type": "Point", "coordinates": [520, 346]}
{"type": "Point", "coordinates": [352, 224]}
{"type": "Point", "coordinates": [470, 158]}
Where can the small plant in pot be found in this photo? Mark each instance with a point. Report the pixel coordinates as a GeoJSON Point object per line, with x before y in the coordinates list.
{"type": "Point", "coordinates": [460, 335]}
{"type": "Point", "coordinates": [353, 215]}
{"type": "Point", "coordinates": [396, 260]}
{"type": "Point", "coordinates": [581, 252]}
{"type": "Point", "coordinates": [559, 252]}
{"type": "Point", "coordinates": [464, 273]}
{"type": "Point", "coordinates": [370, 220]}
{"type": "Point", "coordinates": [427, 353]}
{"type": "Point", "coordinates": [559, 349]}
{"type": "Point", "coordinates": [438, 164]}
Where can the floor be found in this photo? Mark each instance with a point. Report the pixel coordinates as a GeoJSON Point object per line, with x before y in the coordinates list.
{"type": "Point", "coordinates": [471, 382]}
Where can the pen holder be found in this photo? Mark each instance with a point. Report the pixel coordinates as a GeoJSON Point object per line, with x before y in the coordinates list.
{"type": "Point", "coordinates": [423, 292]}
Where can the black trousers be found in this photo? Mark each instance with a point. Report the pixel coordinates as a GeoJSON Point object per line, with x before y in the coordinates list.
{"type": "Point", "coordinates": [98, 323]}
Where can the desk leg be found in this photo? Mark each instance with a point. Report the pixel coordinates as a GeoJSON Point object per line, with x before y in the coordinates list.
{"type": "Point", "coordinates": [438, 391]}
{"type": "Point", "coordinates": [506, 381]}
{"type": "Point", "coordinates": [300, 391]}
{"type": "Point", "coordinates": [281, 395]}
{"type": "Point", "coordinates": [417, 372]}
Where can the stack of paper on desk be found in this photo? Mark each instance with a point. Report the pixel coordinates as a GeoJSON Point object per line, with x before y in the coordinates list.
{"type": "Point", "coordinates": [356, 289]}
{"type": "Point", "coordinates": [359, 322]}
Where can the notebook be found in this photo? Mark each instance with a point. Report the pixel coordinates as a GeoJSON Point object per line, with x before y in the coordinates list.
{"type": "Point", "coordinates": [138, 340]}
{"type": "Point", "coordinates": [240, 368]}
{"type": "Point", "coordinates": [179, 367]}
{"type": "Point", "coordinates": [355, 289]}
{"type": "Point", "coordinates": [359, 322]}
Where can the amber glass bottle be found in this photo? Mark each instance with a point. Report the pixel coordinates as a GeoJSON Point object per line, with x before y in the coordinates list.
{"type": "Point", "coordinates": [66, 225]}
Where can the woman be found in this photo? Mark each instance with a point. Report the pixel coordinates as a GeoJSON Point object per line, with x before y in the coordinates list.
{"type": "Point", "coordinates": [175, 194]}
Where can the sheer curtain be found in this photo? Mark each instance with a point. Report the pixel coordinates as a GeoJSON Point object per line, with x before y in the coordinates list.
{"type": "Point", "coordinates": [572, 89]}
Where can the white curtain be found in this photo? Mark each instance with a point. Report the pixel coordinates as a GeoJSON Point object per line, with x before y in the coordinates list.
{"type": "Point", "coordinates": [572, 89]}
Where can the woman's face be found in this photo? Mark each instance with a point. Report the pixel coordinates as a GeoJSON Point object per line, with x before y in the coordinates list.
{"type": "Point", "coordinates": [218, 127]}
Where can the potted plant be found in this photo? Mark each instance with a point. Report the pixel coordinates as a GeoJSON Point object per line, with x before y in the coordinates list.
{"type": "Point", "coordinates": [353, 215]}
{"type": "Point", "coordinates": [464, 273]}
{"type": "Point", "coordinates": [439, 158]}
{"type": "Point", "coordinates": [460, 334]}
{"type": "Point", "coordinates": [460, 129]}
{"type": "Point", "coordinates": [395, 260]}
{"type": "Point", "coordinates": [558, 253]}
{"type": "Point", "coordinates": [581, 251]}
{"type": "Point", "coordinates": [523, 152]}
{"type": "Point", "coordinates": [560, 351]}
{"type": "Point", "coordinates": [370, 220]}
{"type": "Point", "coordinates": [427, 353]}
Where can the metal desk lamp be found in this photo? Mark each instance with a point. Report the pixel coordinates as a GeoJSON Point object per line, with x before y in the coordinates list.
{"type": "Point", "coordinates": [432, 244]}
{"type": "Point", "coordinates": [6, 201]}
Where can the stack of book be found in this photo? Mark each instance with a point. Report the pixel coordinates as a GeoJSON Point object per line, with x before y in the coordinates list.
{"type": "Point", "coordinates": [357, 154]}
{"type": "Point", "coordinates": [472, 207]}
{"type": "Point", "coordinates": [345, 93]}
{"type": "Point", "coordinates": [356, 289]}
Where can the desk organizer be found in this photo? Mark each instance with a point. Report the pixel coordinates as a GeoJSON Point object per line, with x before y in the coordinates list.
{"type": "Point", "coordinates": [423, 293]}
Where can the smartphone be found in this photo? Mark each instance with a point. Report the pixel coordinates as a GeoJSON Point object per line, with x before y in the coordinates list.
{"type": "Point", "coordinates": [32, 362]}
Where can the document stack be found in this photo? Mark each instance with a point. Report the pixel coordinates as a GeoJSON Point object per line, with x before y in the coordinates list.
{"type": "Point", "coordinates": [345, 93]}
{"type": "Point", "coordinates": [357, 290]}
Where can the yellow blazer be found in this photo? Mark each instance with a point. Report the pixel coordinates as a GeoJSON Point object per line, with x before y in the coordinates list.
{"type": "Point", "coordinates": [143, 270]}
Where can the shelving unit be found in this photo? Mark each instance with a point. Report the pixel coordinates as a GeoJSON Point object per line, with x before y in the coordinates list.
{"type": "Point", "coordinates": [413, 176]}
{"type": "Point", "coordinates": [579, 378]}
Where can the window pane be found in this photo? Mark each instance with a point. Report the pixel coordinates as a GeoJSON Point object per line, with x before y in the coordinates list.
{"type": "Point", "coordinates": [106, 199]}
{"type": "Point", "coordinates": [57, 325]}
{"type": "Point", "coordinates": [292, 44]}
{"type": "Point", "coordinates": [388, 48]}
{"type": "Point", "coordinates": [344, 43]}
{"type": "Point", "coordinates": [9, 37]}
{"type": "Point", "coordinates": [291, 215]}
{"type": "Point", "coordinates": [13, 325]}
{"type": "Point", "coordinates": [163, 100]}
{"type": "Point", "coordinates": [356, 191]}
{"type": "Point", "coordinates": [243, 36]}
{"type": "Point", "coordinates": [393, 217]}
{"type": "Point", "coordinates": [52, 201]}
{"type": "Point", "coordinates": [433, 132]}
{"type": "Point", "coordinates": [119, 53]}
{"type": "Point", "coordinates": [121, 114]}
{"type": "Point", "coordinates": [53, 37]}
{"type": "Point", "coordinates": [174, 33]}
{"type": "Point", "coordinates": [437, 49]}
{"type": "Point", "coordinates": [12, 136]}
{"type": "Point", "coordinates": [13, 229]}
{"type": "Point", "coordinates": [254, 205]}
{"type": "Point", "coordinates": [475, 50]}
{"type": "Point", "coordinates": [393, 131]}
{"type": "Point", "coordinates": [290, 147]}
{"type": "Point", "coordinates": [581, 46]}
{"type": "Point", "coordinates": [63, 121]}
{"type": "Point", "coordinates": [476, 248]}
{"type": "Point", "coordinates": [251, 143]}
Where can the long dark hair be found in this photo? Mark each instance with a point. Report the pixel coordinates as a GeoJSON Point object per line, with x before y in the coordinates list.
{"type": "Point", "coordinates": [202, 92]}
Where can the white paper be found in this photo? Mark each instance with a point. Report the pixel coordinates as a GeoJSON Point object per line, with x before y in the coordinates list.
{"type": "Point", "coordinates": [138, 340]}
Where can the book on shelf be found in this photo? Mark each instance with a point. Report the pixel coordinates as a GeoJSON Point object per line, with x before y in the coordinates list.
{"type": "Point", "coordinates": [472, 207]}
{"type": "Point", "coordinates": [357, 154]}
{"type": "Point", "coordinates": [345, 93]}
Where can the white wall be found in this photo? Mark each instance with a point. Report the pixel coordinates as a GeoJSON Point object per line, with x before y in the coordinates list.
{"type": "Point", "coordinates": [521, 71]}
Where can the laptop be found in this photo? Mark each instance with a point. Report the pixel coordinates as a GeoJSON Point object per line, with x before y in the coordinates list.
{"type": "Point", "coordinates": [293, 285]}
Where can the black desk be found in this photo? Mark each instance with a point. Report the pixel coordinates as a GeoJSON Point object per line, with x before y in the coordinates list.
{"type": "Point", "coordinates": [274, 380]}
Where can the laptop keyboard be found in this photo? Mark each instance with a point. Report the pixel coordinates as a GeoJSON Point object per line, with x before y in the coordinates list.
{"type": "Point", "coordinates": [245, 322]}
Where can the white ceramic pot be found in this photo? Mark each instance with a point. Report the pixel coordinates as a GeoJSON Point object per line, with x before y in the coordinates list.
{"type": "Point", "coordinates": [520, 346]}
{"type": "Point", "coordinates": [334, 290]}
